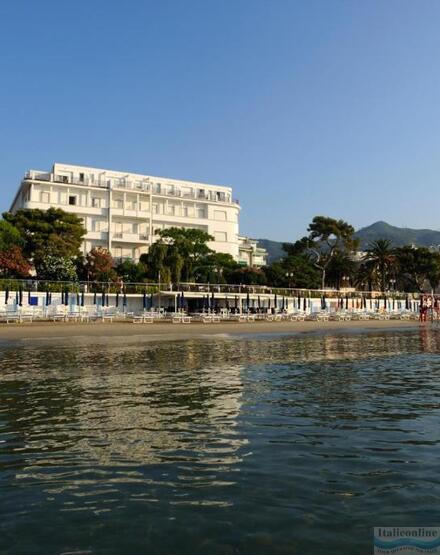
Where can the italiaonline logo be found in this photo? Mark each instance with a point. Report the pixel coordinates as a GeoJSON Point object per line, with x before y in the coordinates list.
{"type": "Point", "coordinates": [407, 540]}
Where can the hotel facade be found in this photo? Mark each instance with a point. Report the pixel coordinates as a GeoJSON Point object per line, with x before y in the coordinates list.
{"type": "Point", "coordinates": [123, 212]}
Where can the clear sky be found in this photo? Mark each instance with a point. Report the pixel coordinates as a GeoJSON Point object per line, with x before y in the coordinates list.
{"type": "Point", "coordinates": [304, 107]}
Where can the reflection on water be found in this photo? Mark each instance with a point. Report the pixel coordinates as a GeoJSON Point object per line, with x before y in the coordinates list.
{"type": "Point", "coordinates": [251, 445]}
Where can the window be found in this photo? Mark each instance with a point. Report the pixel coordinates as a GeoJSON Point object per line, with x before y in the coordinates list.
{"type": "Point", "coordinates": [44, 197]}
{"type": "Point", "coordinates": [72, 200]}
{"type": "Point", "coordinates": [220, 236]}
{"type": "Point", "coordinates": [201, 213]}
{"type": "Point", "coordinates": [219, 215]}
{"type": "Point", "coordinates": [81, 178]}
{"type": "Point", "coordinates": [96, 202]}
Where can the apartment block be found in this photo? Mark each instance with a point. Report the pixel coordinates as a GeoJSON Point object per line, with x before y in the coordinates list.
{"type": "Point", "coordinates": [123, 212]}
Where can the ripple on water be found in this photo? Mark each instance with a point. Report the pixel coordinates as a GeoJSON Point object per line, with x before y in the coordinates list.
{"type": "Point", "coordinates": [256, 445]}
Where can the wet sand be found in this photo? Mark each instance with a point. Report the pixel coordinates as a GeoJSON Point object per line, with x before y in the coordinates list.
{"type": "Point", "coordinates": [127, 332]}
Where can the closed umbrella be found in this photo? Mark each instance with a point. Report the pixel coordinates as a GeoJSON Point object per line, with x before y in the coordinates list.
{"type": "Point", "coordinates": [305, 304]}
{"type": "Point", "coordinates": [124, 299]}
{"type": "Point", "coordinates": [50, 298]}
{"type": "Point", "coordinates": [212, 301]}
{"type": "Point", "coordinates": [103, 298]}
{"type": "Point", "coordinates": [144, 300]}
{"type": "Point", "coordinates": [283, 304]}
{"type": "Point", "coordinates": [385, 303]}
{"type": "Point", "coordinates": [182, 301]}
{"type": "Point", "coordinates": [248, 302]}
{"type": "Point", "coordinates": [259, 303]}
{"type": "Point", "coordinates": [46, 302]}
{"type": "Point", "coordinates": [275, 302]}
{"type": "Point", "coordinates": [226, 303]}
{"type": "Point", "coordinates": [268, 303]}
{"type": "Point", "coordinates": [299, 303]}
{"type": "Point", "coordinates": [287, 303]}
{"type": "Point", "coordinates": [66, 297]}
{"type": "Point", "coordinates": [62, 296]}
{"type": "Point", "coordinates": [82, 298]}
{"type": "Point", "coordinates": [16, 298]}
{"type": "Point", "coordinates": [151, 300]}
{"type": "Point", "coordinates": [29, 297]}
{"type": "Point", "coordinates": [394, 303]}
{"type": "Point", "coordinates": [94, 298]}
{"type": "Point", "coordinates": [78, 299]}
{"type": "Point", "coordinates": [107, 300]}
{"type": "Point", "coordinates": [323, 303]}
{"type": "Point", "coordinates": [6, 295]}
{"type": "Point", "coordinates": [346, 302]}
{"type": "Point", "coordinates": [117, 299]}
{"type": "Point", "coordinates": [236, 303]}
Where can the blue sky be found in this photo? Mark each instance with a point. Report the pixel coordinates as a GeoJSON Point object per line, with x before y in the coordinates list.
{"type": "Point", "coordinates": [315, 107]}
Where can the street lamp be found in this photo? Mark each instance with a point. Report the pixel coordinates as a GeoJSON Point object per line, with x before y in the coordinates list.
{"type": "Point", "coordinates": [393, 284]}
{"type": "Point", "coordinates": [345, 281]}
{"type": "Point", "coordinates": [289, 276]}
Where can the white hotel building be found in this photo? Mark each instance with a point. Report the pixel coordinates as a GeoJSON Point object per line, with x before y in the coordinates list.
{"type": "Point", "coordinates": [122, 212]}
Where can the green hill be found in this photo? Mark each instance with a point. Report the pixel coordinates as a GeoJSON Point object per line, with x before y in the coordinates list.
{"type": "Point", "coordinates": [398, 236]}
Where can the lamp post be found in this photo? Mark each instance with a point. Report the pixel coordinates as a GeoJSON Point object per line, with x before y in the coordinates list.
{"type": "Point", "coordinates": [392, 285]}
{"type": "Point", "coordinates": [345, 281]}
{"type": "Point", "coordinates": [289, 276]}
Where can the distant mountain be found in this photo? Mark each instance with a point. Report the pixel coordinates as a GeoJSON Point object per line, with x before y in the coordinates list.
{"type": "Point", "coordinates": [398, 236]}
{"type": "Point", "coordinates": [274, 249]}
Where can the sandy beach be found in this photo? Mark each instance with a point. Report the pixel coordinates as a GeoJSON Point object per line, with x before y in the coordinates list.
{"type": "Point", "coordinates": [129, 332]}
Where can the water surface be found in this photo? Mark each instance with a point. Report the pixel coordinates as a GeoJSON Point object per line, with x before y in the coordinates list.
{"type": "Point", "coordinates": [280, 444]}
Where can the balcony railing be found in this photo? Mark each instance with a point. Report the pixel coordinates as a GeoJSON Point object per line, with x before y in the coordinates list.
{"type": "Point", "coordinates": [145, 187]}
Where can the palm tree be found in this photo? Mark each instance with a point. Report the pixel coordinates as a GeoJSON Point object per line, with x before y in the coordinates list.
{"type": "Point", "coordinates": [381, 258]}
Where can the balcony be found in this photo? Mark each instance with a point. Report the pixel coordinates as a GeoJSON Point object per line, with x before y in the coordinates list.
{"type": "Point", "coordinates": [125, 237]}
{"type": "Point", "coordinates": [105, 182]}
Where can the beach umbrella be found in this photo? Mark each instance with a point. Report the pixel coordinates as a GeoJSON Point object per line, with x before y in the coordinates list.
{"type": "Point", "coordinates": [117, 299]}
{"type": "Point", "coordinates": [212, 300]}
{"type": "Point", "coordinates": [94, 298]}
{"type": "Point", "coordinates": [323, 303]}
{"type": "Point", "coordinates": [103, 298]}
{"type": "Point", "coordinates": [16, 297]}
{"type": "Point", "coordinates": [78, 299]}
{"type": "Point", "coordinates": [275, 301]}
{"type": "Point", "coordinates": [6, 295]}
{"type": "Point", "coordinates": [346, 302]}
{"type": "Point", "coordinates": [144, 300]}
{"type": "Point", "coordinates": [82, 298]}
{"type": "Point", "coordinates": [299, 302]}
{"type": "Point", "coordinates": [106, 300]}
{"type": "Point", "coordinates": [20, 297]}
{"type": "Point", "coordinates": [46, 302]}
{"type": "Point", "coordinates": [50, 297]}
{"type": "Point", "coordinates": [62, 296]}
{"type": "Point", "coordinates": [287, 303]}
{"type": "Point", "coordinates": [385, 303]}
{"type": "Point", "coordinates": [268, 303]}
{"type": "Point", "coordinates": [304, 304]}
{"type": "Point", "coordinates": [66, 297]}
{"type": "Point", "coordinates": [259, 303]}
{"type": "Point", "coordinates": [407, 302]}
{"type": "Point", "coordinates": [248, 302]}
{"type": "Point", "coordinates": [182, 300]}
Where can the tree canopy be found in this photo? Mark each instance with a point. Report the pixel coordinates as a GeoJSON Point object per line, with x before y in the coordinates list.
{"type": "Point", "coordinates": [48, 232]}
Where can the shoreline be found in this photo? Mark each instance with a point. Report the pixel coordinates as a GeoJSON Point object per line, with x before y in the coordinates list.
{"type": "Point", "coordinates": [50, 332]}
